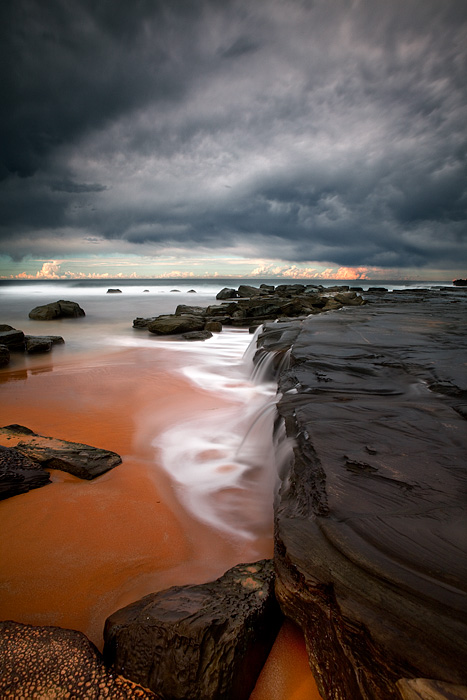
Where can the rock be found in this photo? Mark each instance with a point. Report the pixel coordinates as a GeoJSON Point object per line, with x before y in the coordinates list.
{"type": "Point", "coordinates": [56, 663]}
{"type": "Point", "coordinates": [174, 290]}
{"type": "Point", "coordinates": [57, 310]}
{"type": "Point", "coordinates": [19, 474]}
{"type": "Point", "coordinates": [6, 327]}
{"type": "Point", "coordinates": [171, 324]}
{"type": "Point", "coordinates": [370, 519]}
{"type": "Point", "coordinates": [227, 293]}
{"type": "Point", "coordinates": [76, 458]}
{"type": "Point", "coordinates": [13, 339]}
{"type": "Point", "coordinates": [145, 290]}
{"type": "Point", "coordinates": [213, 326]}
{"type": "Point", "coordinates": [349, 299]}
{"type": "Point", "coordinates": [143, 322]}
{"type": "Point", "coordinates": [245, 290]}
{"type": "Point", "coordinates": [183, 309]}
{"type": "Point", "coordinates": [290, 289]}
{"type": "Point", "coordinates": [225, 309]}
{"type": "Point", "coordinates": [269, 288]}
{"type": "Point", "coordinates": [114, 291]}
{"type": "Point", "coordinates": [191, 291]}
{"type": "Point", "coordinates": [205, 642]}
{"type": "Point", "coordinates": [197, 335]}
{"type": "Point", "coordinates": [427, 689]}
{"type": "Point", "coordinates": [41, 343]}
{"type": "Point", "coordinates": [4, 355]}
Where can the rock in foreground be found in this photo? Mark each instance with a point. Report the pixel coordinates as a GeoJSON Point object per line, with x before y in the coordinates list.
{"type": "Point", "coordinates": [54, 663]}
{"type": "Point", "coordinates": [19, 474]}
{"type": "Point", "coordinates": [76, 458]}
{"type": "Point", "coordinates": [57, 310]}
{"type": "Point", "coordinates": [370, 542]}
{"type": "Point", "coordinates": [205, 642]}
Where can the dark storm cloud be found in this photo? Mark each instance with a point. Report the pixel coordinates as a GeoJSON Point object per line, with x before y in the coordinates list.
{"type": "Point", "coordinates": [293, 130]}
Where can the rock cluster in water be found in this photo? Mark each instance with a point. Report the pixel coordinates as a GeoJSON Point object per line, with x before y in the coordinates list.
{"type": "Point", "coordinates": [249, 306]}
{"type": "Point", "coordinates": [13, 340]}
{"type": "Point", "coordinates": [26, 456]}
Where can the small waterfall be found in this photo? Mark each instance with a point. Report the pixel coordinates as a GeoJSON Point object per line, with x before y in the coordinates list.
{"type": "Point", "coordinates": [224, 462]}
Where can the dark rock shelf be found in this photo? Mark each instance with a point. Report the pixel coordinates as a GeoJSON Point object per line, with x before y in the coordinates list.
{"type": "Point", "coordinates": [371, 531]}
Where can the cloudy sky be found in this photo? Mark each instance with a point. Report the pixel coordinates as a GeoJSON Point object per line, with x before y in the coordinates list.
{"type": "Point", "coordinates": [233, 137]}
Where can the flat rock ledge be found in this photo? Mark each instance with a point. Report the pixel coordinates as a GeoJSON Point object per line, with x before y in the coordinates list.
{"type": "Point", "coordinates": [39, 453]}
{"type": "Point", "coordinates": [370, 526]}
{"type": "Point", "coordinates": [56, 663]}
{"type": "Point", "coordinates": [250, 307]}
{"type": "Point", "coordinates": [200, 642]}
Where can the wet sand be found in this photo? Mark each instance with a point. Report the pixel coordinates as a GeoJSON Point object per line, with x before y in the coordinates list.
{"type": "Point", "coordinates": [73, 552]}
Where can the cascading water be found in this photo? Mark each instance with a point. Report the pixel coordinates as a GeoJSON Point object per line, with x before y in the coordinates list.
{"type": "Point", "coordinates": [224, 462]}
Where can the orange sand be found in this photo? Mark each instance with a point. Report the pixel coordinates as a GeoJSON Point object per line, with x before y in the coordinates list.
{"type": "Point", "coordinates": [73, 552]}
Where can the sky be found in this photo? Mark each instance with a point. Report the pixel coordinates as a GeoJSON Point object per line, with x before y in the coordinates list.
{"type": "Point", "coordinates": [267, 138]}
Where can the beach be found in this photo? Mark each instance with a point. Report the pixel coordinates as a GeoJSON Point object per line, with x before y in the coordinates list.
{"type": "Point", "coordinates": [183, 507]}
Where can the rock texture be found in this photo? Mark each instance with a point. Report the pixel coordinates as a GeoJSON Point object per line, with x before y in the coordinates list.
{"type": "Point", "coordinates": [426, 689]}
{"type": "Point", "coordinates": [76, 458]}
{"type": "Point", "coordinates": [370, 543]}
{"type": "Point", "coordinates": [54, 663]}
{"type": "Point", "coordinates": [205, 642]}
{"type": "Point", "coordinates": [19, 474]}
{"type": "Point", "coordinates": [252, 306]}
{"type": "Point", "coordinates": [56, 310]}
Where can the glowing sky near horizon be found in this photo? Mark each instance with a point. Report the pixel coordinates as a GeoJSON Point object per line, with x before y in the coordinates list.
{"type": "Point", "coordinates": [294, 138]}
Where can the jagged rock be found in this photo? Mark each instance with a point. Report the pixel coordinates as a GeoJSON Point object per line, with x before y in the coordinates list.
{"type": "Point", "coordinates": [269, 288]}
{"type": "Point", "coordinates": [114, 291]}
{"type": "Point", "coordinates": [76, 458]}
{"type": "Point", "coordinates": [13, 339]}
{"type": "Point", "coordinates": [41, 343]}
{"type": "Point", "coordinates": [19, 474]}
{"type": "Point", "coordinates": [427, 689]}
{"type": "Point", "coordinates": [205, 642]}
{"type": "Point", "coordinates": [290, 289]}
{"type": "Point", "coordinates": [227, 293]}
{"type": "Point", "coordinates": [143, 322]}
{"type": "Point", "coordinates": [213, 326]}
{"type": "Point", "coordinates": [370, 521]}
{"type": "Point", "coordinates": [225, 309]}
{"type": "Point", "coordinates": [56, 663]}
{"type": "Point", "coordinates": [56, 310]}
{"type": "Point", "coordinates": [183, 309]}
{"type": "Point", "coordinates": [197, 335]}
{"type": "Point", "coordinates": [4, 355]}
{"type": "Point", "coordinates": [349, 298]}
{"type": "Point", "coordinates": [171, 324]}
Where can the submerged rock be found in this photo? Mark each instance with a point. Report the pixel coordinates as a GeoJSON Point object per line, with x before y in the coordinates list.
{"type": "Point", "coordinates": [76, 458]}
{"type": "Point", "coordinates": [114, 291]}
{"type": "Point", "coordinates": [205, 642]}
{"type": "Point", "coordinates": [57, 310]}
{"type": "Point", "coordinates": [370, 520]}
{"type": "Point", "coordinates": [56, 663]}
{"type": "Point", "coordinates": [41, 343]}
{"type": "Point", "coordinates": [19, 474]}
{"type": "Point", "coordinates": [197, 335]}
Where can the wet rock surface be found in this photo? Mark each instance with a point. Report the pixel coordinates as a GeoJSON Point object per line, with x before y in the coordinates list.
{"type": "Point", "coordinates": [203, 642]}
{"type": "Point", "coordinates": [19, 474]}
{"type": "Point", "coordinates": [15, 341]}
{"type": "Point", "coordinates": [57, 310]}
{"type": "Point", "coordinates": [83, 461]}
{"type": "Point", "coordinates": [55, 663]}
{"type": "Point", "coordinates": [370, 543]}
{"type": "Point", "coordinates": [251, 306]}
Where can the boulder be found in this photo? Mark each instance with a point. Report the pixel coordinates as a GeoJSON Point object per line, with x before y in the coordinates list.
{"type": "Point", "coordinates": [13, 339]}
{"type": "Point", "coordinates": [213, 326]}
{"type": "Point", "coordinates": [114, 291]}
{"type": "Point", "coordinates": [197, 335]}
{"type": "Point", "coordinates": [4, 355]}
{"type": "Point", "coordinates": [349, 298]}
{"type": "Point", "coordinates": [6, 327]}
{"type": "Point", "coordinates": [76, 458]}
{"type": "Point", "coordinates": [171, 324]}
{"type": "Point", "coordinates": [41, 343]}
{"type": "Point", "coordinates": [227, 293]}
{"type": "Point", "coordinates": [370, 518]}
{"type": "Point", "coordinates": [57, 310]}
{"type": "Point", "coordinates": [19, 474]}
{"type": "Point", "coordinates": [191, 291]}
{"type": "Point", "coordinates": [55, 663]}
{"type": "Point", "coordinates": [204, 642]}
{"type": "Point", "coordinates": [225, 309]}
{"type": "Point", "coordinates": [245, 290]}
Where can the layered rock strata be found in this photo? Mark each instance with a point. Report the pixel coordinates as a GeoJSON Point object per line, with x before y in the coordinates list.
{"type": "Point", "coordinates": [204, 642]}
{"type": "Point", "coordinates": [370, 545]}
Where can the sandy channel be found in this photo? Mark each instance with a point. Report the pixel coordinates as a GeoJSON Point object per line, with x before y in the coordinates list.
{"type": "Point", "coordinates": [73, 552]}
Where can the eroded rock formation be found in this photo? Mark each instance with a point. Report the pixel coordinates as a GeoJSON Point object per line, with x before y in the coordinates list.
{"type": "Point", "coordinates": [370, 522]}
{"type": "Point", "coordinates": [205, 642]}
